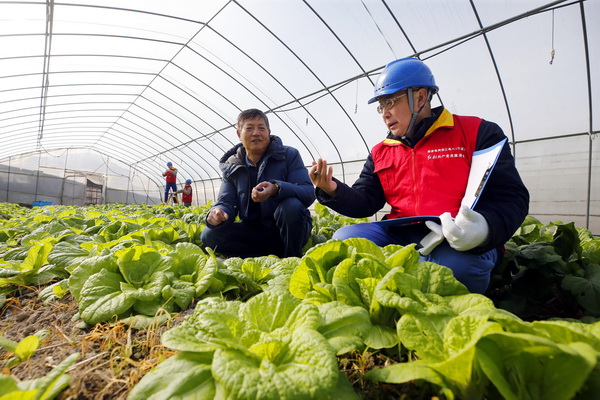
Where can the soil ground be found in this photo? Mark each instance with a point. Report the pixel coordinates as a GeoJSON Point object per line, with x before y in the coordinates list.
{"type": "Point", "coordinates": [113, 357]}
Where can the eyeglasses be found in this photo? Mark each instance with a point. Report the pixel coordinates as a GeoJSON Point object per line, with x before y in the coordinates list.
{"type": "Point", "coordinates": [388, 103]}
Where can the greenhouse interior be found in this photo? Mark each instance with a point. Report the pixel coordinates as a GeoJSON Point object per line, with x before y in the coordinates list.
{"type": "Point", "coordinates": [98, 97]}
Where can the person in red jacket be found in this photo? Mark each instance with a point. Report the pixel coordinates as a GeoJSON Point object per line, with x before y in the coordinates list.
{"type": "Point", "coordinates": [422, 168]}
{"type": "Point", "coordinates": [186, 193]}
{"type": "Point", "coordinates": [171, 177]}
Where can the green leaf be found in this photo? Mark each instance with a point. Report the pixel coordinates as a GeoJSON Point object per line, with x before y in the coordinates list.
{"type": "Point", "coordinates": [255, 271]}
{"type": "Point", "coordinates": [345, 327]}
{"type": "Point", "coordinates": [566, 240]}
{"type": "Point", "coordinates": [67, 255]}
{"type": "Point", "coordinates": [215, 321]}
{"type": "Point", "coordinates": [27, 347]}
{"type": "Point", "coordinates": [566, 332]}
{"type": "Point", "coordinates": [404, 257]}
{"type": "Point", "coordinates": [180, 292]}
{"type": "Point", "coordinates": [381, 337]}
{"type": "Point", "coordinates": [101, 297]}
{"type": "Point", "coordinates": [54, 291]}
{"type": "Point", "coordinates": [7, 344]}
{"type": "Point", "coordinates": [144, 322]}
{"type": "Point", "coordinates": [411, 371]}
{"type": "Point", "coordinates": [268, 311]}
{"type": "Point", "coordinates": [585, 289]}
{"type": "Point", "coordinates": [424, 334]}
{"type": "Point", "coordinates": [185, 376]}
{"type": "Point", "coordinates": [306, 369]}
{"type": "Point", "coordinates": [7, 385]}
{"type": "Point", "coordinates": [436, 279]}
{"type": "Point", "coordinates": [137, 264]}
{"type": "Point", "coordinates": [523, 366]}
{"type": "Point", "coordinates": [314, 266]}
{"type": "Point", "coordinates": [361, 245]}
{"type": "Point", "coordinates": [87, 268]}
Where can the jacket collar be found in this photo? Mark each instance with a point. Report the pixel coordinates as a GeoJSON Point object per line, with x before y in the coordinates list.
{"type": "Point", "coordinates": [236, 156]}
{"type": "Point", "coordinates": [440, 117]}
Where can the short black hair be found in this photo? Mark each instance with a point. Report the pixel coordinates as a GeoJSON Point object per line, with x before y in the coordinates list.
{"type": "Point", "coordinates": [251, 113]}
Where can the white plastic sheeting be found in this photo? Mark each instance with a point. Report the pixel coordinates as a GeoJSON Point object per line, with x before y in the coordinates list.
{"type": "Point", "coordinates": [148, 81]}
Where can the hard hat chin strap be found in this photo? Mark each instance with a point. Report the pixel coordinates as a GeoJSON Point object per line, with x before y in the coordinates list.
{"type": "Point", "coordinates": [415, 114]}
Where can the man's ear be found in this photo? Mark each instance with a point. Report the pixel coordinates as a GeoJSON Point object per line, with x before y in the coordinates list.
{"type": "Point", "coordinates": [421, 97]}
{"type": "Point", "coordinates": [238, 133]}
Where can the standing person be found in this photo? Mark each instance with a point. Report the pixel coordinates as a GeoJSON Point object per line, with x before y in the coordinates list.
{"type": "Point", "coordinates": [186, 193]}
{"type": "Point", "coordinates": [266, 185]}
{"type": "Point", "coordinates": [171, 177]}
{"type": "Point", "coordinates": [422, 168]}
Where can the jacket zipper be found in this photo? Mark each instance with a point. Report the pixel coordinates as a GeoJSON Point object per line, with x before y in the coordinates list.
{"type": "Point", "coordinates": [414, 177]}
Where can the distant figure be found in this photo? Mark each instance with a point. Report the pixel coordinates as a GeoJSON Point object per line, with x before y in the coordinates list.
{"type": "Point", "coordinates": [171, 177]}
{"type": "Point", "coordinates": [422, 168]}
{"type": "Point", "coordinates": [186, 193]}
{"type": "Point", "coordinates": [266, 184]}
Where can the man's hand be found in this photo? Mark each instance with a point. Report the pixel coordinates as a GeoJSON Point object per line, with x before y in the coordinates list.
{"type": "Point", "coordinates": [216, 216]}
{"type": "Point", "coordinates": [322, 177]}
{"type": "Point", "coordinates": [432, 239]}
{"type": "Point", "coordinates": [468, 230]}
{"type": "Point", "coordinates": [264, 191]}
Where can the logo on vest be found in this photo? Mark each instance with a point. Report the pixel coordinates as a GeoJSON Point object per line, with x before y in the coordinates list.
{"type": "Point", "coordinates": [446, 152]}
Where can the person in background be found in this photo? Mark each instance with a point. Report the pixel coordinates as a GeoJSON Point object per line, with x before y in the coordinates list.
{"type": "Point", "coordinates": [266, 185]}
{"type": "Point", "coordinates": [171, 177]}
{"type": "Point", "coordinates": [186, 193]}
{"type": "Point", "coordinates": [422, 168]}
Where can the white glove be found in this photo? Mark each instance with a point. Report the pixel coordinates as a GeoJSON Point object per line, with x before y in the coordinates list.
{"type": "Point", "coordinates": [468, 230]}
{"type": "Point", "coordinates": [432, 239]}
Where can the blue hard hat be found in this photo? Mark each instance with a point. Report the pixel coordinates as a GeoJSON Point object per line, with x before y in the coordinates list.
{"type": "Point", "coordinates": [188, 181]}
{"type": "Point", "coordinates": [169, 164]}
{"type": "Point", "coordinates": [403, 74]}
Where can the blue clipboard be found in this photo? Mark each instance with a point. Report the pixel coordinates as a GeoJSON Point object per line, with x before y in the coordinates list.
{"type": "Point", "coordinates": [388, 223]}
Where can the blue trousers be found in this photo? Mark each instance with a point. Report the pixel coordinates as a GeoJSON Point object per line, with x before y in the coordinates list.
{"type": "Point", "coordinates": [284, 236]}
{"type": "Point", "coordinates": [172, 186]}
{"type": "Point", "coordinates": [472, 270]}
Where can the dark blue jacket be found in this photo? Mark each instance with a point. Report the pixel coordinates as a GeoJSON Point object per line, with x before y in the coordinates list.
{"type": "Point", "coordinates": [280, 164]}
{"type": "Point", "coordinates": [504, 203]}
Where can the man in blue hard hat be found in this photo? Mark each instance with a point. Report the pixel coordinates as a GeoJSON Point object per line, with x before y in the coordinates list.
{"type": "Point", "coordinates": [422, 168]}
{"type": "Point", "coordinates": [186, 193]}
{"type": "Point", "coordinates": [170, 175]}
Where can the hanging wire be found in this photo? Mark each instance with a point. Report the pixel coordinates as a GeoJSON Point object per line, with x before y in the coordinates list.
{"type": "Point", "coordinates": [356, 99]}
{"type": "Point", "coordinates": [552, 52]}
{"type": "Point", "coordinates": [307, 114]}
{"type": "Point", "coordinates": [46, 70]}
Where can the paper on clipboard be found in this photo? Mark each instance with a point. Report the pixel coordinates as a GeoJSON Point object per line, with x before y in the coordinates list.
{"type": "Point", "coordinates": [482, 164]}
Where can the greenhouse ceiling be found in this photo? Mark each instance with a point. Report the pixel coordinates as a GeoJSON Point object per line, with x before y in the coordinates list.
{"type": "Point", "coordinates": [151, 81]}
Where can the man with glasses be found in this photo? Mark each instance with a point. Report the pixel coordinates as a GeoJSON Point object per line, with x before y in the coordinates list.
{"type": "Point", "coordinates": [422, 168]}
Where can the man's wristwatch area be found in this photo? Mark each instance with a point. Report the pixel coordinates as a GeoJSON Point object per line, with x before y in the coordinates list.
{"type": "Point", "coordinates": [277, 187]}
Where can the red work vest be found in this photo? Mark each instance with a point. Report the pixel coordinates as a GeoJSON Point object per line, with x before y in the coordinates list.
{"type": "Point", "coordinates": [186, 198]}
{"type": "Point", "coordinates": [170, 177]}
{"type": "Point", "coordinates": [430, 178]}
